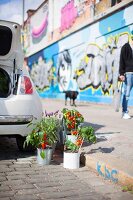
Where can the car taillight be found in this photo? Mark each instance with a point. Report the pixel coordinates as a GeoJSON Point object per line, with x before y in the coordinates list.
{"type": "Point", "coordinates": [26, 85]}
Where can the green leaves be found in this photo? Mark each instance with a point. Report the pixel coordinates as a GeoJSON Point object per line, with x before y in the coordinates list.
{"type": "Point", "coordinates": [72, 118]}
{"type": "Point", "coordinates": [127, 188]}
{"type": "Point", "coordinates": [49, 126]}
{"type": "Point", "coordinates": [71, 146]}
{"type": "Point", "coordinates": [87, 133]}
{"type": "Point", "coordinates": [42, 154]}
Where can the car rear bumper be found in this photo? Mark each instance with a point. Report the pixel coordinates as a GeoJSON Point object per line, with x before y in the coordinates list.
{"type": "Point", "coordinates": [15, 119]}
{"type": "Point", "coordinates": [21, 105]}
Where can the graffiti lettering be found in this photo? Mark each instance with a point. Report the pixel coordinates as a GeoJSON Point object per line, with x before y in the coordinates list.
{"type": "Point", "coordinates": [106, 173]}
{"type": "Point", "coordinates": [68, 15]}
{"type": "Point", "coordinates": [41, 74]}
{"type": "Point", "coordinates": [100, 67]}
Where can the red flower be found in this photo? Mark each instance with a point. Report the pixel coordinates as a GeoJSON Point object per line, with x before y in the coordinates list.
{"type": "Point", "coordinates": [79, 142]}
{"type": "Point", "coordinates": [74, 132]}
{"type": "Point", "coordinates": [43, 145]}
{"type": "Point", "coordinates": [68, 126]}
{"type": "Point", "coordinates": [45, 136]}
{"type": "Point", "coordinates": [72, 127]}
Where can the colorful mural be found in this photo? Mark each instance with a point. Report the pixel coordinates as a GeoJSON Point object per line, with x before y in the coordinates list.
{"type": "Point", "coordinates": [64, 70]}
{"type": "Point", "coordinates": [37, 30]}
{"type": "Point", "coordinates": [41, 74]}
{"type": "Point", "coordinates": [87, 61]}
{"type": "Point", "coordinates": [56, 19]}
{"type": "Point", "coordinates": [68, 15]}
{"type": "Point", "coordinates": [100, 66]}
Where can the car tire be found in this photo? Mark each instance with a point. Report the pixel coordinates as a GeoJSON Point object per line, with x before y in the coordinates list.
{"type": "Point", "coordinates": [20, 143]}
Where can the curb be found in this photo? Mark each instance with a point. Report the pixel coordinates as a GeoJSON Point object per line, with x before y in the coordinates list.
{"type": "Point", "coordinates": [108, 169]}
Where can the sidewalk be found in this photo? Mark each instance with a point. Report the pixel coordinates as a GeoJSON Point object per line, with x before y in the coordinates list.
{"type": "Point", "coordinates": [112, 155]}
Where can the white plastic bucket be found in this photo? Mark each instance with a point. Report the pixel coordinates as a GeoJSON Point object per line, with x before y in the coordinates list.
{"type": "Point", "coordinates": [48, 156]}
{"type": "Point", "coordinates": [71, 160]}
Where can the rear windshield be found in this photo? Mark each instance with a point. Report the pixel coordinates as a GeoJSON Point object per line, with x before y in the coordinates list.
{"type": "Point", "coordinates": [5, 40]}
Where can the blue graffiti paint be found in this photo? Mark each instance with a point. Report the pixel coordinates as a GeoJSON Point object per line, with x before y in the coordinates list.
{"type": "Point", "coordinates": [34, 58]}
{"type": "Point", "coordinates": [99, 170]}
{"type": "Point", "coordinates": [114, 172]}
{"type": "Point", "coordinates": [106, 173]}
{"type": "Point", "coordinates": [50, 51]}
{"type": "Point", "coordinates": [105, 23]}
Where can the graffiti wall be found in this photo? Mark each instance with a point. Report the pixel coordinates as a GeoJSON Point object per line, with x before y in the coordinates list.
{"type": "Point", "coordinates": [54, 20]}
{"type": "Point", "coordinates": [87, 61]}
{"type": "Point", "coordinates": [38, 29]}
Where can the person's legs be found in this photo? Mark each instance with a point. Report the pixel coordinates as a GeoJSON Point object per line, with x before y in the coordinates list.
{"type": "Point", "coordinates": [127, 88]}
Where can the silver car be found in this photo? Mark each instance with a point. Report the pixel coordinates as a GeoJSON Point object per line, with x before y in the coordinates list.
{"type": "Point", "coordinates": [19, 101]}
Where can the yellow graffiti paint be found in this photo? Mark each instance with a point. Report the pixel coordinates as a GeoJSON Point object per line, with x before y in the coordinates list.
{"type": "Point", "coordinates": [109, 29]}
{"type": "Point", "coordinates": [121, 34]}
{"type": "Point", "coordinates": [86, 59]}
{"type": "Point", "coordinates": [53, 69]}
{"type": "Point", "coordinates": [79, 72]}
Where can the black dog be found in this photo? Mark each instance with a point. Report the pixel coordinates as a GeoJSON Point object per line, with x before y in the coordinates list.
{"type": "Point", "coordinates": [72, 95]}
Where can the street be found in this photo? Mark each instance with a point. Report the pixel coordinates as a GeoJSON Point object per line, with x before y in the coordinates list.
{"type": "Point", "coordinates": [22, 178]}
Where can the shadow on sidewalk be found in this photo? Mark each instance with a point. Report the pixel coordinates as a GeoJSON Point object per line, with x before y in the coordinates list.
{"type": "Point", "coordinates": [95, 126]}
{"type": "Point", "coordinates": [102, 150]}
{"type": "Point", "coordinates": [101, 137]}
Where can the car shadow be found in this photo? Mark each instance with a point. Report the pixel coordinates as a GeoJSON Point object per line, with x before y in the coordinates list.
{"type": "Point", "coordinates": [10, 151]}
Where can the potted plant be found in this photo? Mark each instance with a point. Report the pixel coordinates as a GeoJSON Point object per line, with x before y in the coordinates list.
{"type": "Point", "coordinates": [71, 120]}
{"type": "Point", "coordinates": [71, 148]}
{"type": "Point", "coordinates": [44, 135]}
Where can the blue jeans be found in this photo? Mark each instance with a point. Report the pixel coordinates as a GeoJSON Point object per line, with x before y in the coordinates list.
{"type": "Point", "coordinates": [127, 88]}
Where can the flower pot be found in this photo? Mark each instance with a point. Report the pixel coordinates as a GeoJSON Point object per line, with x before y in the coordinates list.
{"type": "Point", "coordinates": [72, 138]}
{"type": "Point", "coordinates": [71, 160]}
{"type": "Point", "coordinates": [48, 156]}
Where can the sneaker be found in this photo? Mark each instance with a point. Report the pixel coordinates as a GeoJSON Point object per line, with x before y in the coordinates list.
{"type": "Point", "coordinates": [126, 116]}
